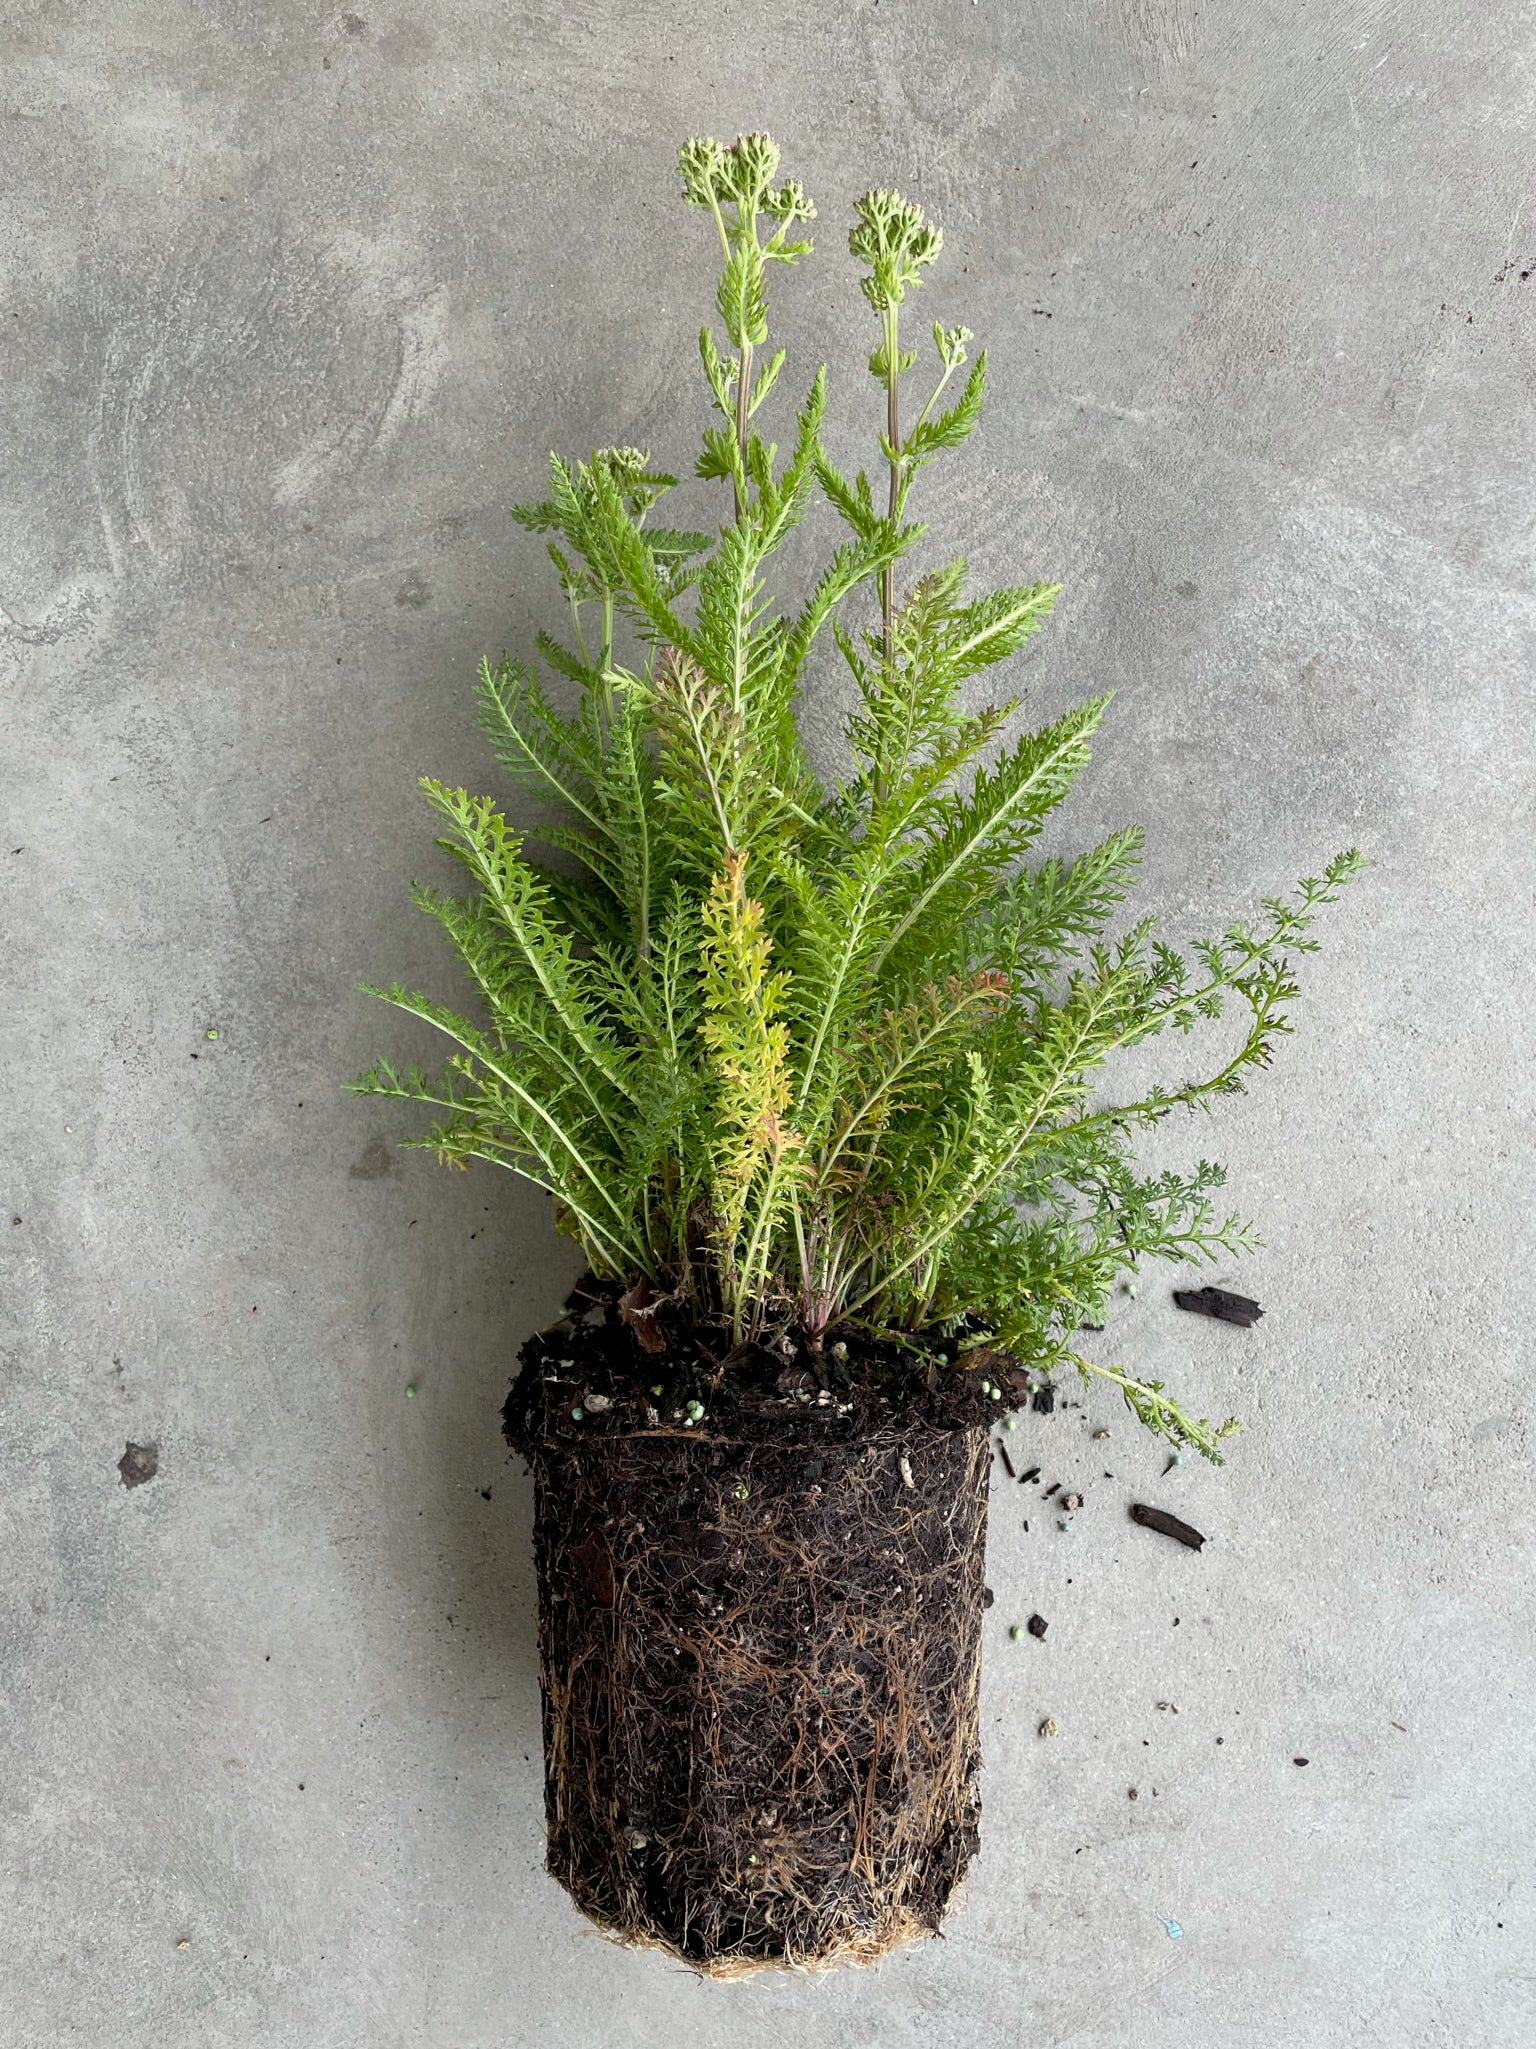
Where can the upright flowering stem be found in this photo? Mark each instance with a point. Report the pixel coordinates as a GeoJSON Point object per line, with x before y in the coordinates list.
{"type": "Point", "coordinates": [894, 238]}
{"type": "Point", "coordinates": [893, 505]}
{"type": "Point", "coordinates": [736, 184]}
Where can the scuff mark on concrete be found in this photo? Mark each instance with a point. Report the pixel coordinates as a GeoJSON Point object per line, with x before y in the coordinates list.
{"type": "Point", "coordinates": [423, 354]}
{"type": "Point", "coordinates": [69, 613]}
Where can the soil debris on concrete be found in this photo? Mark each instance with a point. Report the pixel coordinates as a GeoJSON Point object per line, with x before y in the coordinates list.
{"type": "Point", "coordinates": [1169, 1525]}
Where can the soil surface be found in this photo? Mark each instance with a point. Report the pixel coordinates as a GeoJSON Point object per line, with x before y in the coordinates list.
{"type": "Point", "coordinates": [594, 1360]}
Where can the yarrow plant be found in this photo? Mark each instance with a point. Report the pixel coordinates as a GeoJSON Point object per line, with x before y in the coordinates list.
{"type": "Point", "coordinates": [806, 1058]}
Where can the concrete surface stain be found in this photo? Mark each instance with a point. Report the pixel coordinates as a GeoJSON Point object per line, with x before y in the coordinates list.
{"type": "Point", "coordinates": [373, 1163]}
{"type": "Point", "coordinates": [139, 1464]}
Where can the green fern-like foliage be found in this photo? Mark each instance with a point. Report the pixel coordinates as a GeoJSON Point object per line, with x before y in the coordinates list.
{"type": "Point", "coordinates": [805, 1057]}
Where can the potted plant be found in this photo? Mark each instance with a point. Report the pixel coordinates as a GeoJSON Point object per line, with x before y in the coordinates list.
{"type": "Point", "coordinates": [808, 1071]}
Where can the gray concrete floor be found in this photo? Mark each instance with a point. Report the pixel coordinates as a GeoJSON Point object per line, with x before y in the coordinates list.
{"type": "Point", "coordinates": [294, 303]}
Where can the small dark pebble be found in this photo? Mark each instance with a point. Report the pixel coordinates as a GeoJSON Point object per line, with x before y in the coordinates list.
{"type": "Point", "coordinates": [1169, 1525]}
{"type": "Point", "coordinates": [1037, 1625]}
{"type": "Point", "coordinates": [1300, 1760]}
{"type": "Point", "coordinates": [987, 1597]}
{"type": "Point", "coordinates": [1220, 1303]}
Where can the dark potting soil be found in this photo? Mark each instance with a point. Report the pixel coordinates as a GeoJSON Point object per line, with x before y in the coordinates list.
{"type": "Point", "coordinates": [760, 1634]}
{"type": "Point", "coordinates": [703, 1385]}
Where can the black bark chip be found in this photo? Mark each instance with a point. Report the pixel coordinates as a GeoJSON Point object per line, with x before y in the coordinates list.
{"type": "Point", "coordinates": [1218, 1302]}
{"type": "Point", "coordinates": [1037, 1625]}
{"type": "Point", "coordinates": [1045, 1400]}
{"type": "Point", "coordinates": [1169, 1525]}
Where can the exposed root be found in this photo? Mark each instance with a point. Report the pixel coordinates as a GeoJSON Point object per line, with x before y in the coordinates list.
{"type": "Point", "coordinates": [760, 1664]}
